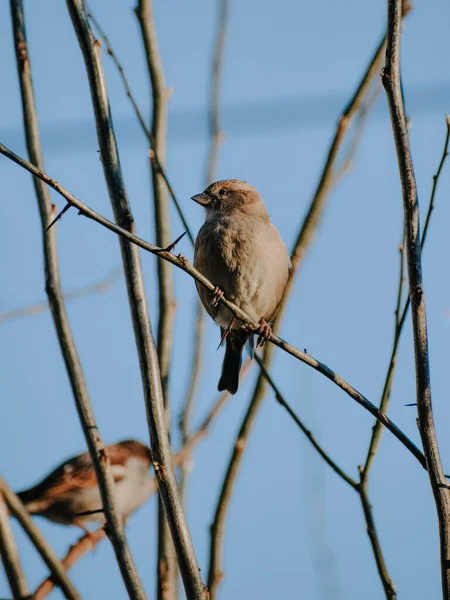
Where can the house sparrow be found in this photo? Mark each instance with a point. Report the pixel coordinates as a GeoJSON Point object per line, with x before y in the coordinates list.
{"type": "Point", "coordinates": [242, 253]}
{"type": "Point", "coordinates": [71, 489]}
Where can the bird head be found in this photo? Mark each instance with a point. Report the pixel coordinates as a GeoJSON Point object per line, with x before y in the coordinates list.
{"type": "Point", "coordinates": [225, 197]}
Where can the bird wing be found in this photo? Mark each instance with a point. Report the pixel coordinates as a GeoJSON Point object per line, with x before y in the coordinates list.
{"type": "Point", "coordinates": [76, 473]}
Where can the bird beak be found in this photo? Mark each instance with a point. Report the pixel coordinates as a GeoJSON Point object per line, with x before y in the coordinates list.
{"type": "Point", "coordinates": [202, 199]}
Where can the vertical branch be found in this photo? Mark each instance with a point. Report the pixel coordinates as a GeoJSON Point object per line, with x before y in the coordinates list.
{"type": "Point", "coordinates": [60, 319]}
{"type": "Point", "coordinates": [167, 566]}
{"type": "Point", "coordinates": [148, 358]}
{"type": "Point", "coordinates": [392, 85]}
{"type": "Point", "coordinates": [215, 133]}
{"type": "Point", "coordinates": [57, 570]}
{"type": "Point", "coordinates": [10, 555]}
{"type": "Point", "coordinates": [303, 242]}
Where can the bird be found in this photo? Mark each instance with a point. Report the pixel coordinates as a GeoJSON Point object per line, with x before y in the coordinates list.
{"type": "Point", "coordinates": [241, 252]}
{"type": "Point", "coordinates": [69, 495]}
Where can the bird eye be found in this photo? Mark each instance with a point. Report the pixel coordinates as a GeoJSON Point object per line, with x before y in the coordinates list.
{"type": "Point", "coordinates": [222, 192]}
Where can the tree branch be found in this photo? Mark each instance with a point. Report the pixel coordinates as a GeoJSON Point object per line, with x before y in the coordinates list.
{"type": "Point", "coordinates": [38, 540]}
{"type": "Point", "coordinates": [84, 545]}
{"type": "Point", "coordinates": [148, 358]}
{"type": "Point", "coordinates": [183, 263]}
{"type": "Point", "coordinates": [166, 569]}
{"type": "Point", "coordinates": [62, 326]}
{"type": "Point", "coordinates": [283, 402]}
{"type": "Point", "coordinates": [215, 134]}
{"type": "Point", "coordinates": [392, 83]}
{"type": "Point", "coordinates": [10, 555]}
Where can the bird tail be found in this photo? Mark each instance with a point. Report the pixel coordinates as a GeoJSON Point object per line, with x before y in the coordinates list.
{"type": "Point", "coordinates": [231, 366]}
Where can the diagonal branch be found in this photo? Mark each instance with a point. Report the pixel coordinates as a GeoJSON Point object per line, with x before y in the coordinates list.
{"type": "Point", "coordinates": [183, 264]}
{"type": "Point", "coordinates": [148, 358]}
{"type": "Point", "coordinates": [392, 83]}
{"type": "Point", "coordinates": [57, 570]}
{"type": "Point", "coordinates": [60, 319]}
{"type": "Point", "coordinates": [283, 402]}
{"type": "Point", "coordinates": [10, 555]}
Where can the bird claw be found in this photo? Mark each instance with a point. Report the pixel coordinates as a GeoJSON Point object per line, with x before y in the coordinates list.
{"type": "Point", "coordinates": [216, 295]}
{"type": "Point", "coordinates": [264, 333]}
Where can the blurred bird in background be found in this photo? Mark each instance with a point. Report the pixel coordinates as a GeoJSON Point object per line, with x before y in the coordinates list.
{"type": "Point", "coordinates": [242, 253]}
{"type": "Point", "coordinates": [70, 495]}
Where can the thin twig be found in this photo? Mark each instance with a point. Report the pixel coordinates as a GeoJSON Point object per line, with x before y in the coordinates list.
{"type": "Point", "coordinates": [84, 545]}
{"type": "Point", "coordinates": [304, 239]}
{"type": "Point", "coordinates": [192, 389]}
{"type": "Point", "coordinates": [166, 568]}
{"type": "Point", "coordinates": [84, 291]}
{"type": "Point", "coordinates": [148, 358]}
{"type": "Point", "coordinates": [392, 83]}
{"type": "Point", "coordinates": [281, 400]}
{"type": "Point", "coordinates": [216, 136]}
{"type": "Point", "coordinates": [147, 132]}
{"type": "Point", "coordinates": [56, 301]}
{"type": "Point", "coordinates": [10, 555]}
{"type": "Point", "coordinates": [182, 263]}
{"type": "Point", "coordinates": [388, 584]}
{"type": "Point", "coordinates": [215, 131]}
{"type": "Point", "coordinates": [57, 570]}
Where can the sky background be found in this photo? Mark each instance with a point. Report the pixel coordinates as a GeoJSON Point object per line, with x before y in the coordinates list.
{"type": "Point", "coordinates": [294, 528]}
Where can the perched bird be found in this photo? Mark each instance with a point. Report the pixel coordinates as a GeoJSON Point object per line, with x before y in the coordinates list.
{"type": "Point", "coordinates": [240, 251]}
{"type": "Point", "coordinates": [71, 489]}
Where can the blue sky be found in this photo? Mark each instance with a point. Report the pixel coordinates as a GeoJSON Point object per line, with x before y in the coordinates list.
{"type": "Point", "coordinates": [294, 529]}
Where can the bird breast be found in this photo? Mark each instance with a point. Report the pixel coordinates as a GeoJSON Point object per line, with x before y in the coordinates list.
{"type": "Point", "coordinates": [246, 258]}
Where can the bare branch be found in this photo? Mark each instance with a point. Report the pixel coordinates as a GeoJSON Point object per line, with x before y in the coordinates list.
{"type": "Point", "coordinates": [84, 291]}
{"type": "Point", "coordinates": [57, 570]}
{"type": "Point", "coordinates": [211, 167]}
{"type": "Point", "coordinates": [10, 555]}
{"type": "Point", "coordinates": [167, 572]}
{"type": "Point", "coordinates": [281, 400]}
{"type": "Point", "coordinates": [388, 584]}
{"type": "Point", "coordinates": [56, 301]}
{"type": "Point", "coordinates": [148, 358]}
{"type": "Point", "coordinates": [392, 83]}
{"type": "Point", "coordinates": [84, 545]}
{"type": "Point", "coordinates": [184, 264]}
{"type": "Point", "coordinates": [215, 132]}
{"type": "Point", "coordinates": [192, 389]}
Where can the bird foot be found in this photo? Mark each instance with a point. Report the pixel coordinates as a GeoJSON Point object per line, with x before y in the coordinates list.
{"type": "Point", "coordinates": [216, 295]}
{"type": "Point", "coordinates": [264, 333]}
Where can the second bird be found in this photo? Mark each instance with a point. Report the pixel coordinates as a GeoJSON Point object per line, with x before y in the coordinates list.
{"type": "Point", "coordinates": [241, 252]}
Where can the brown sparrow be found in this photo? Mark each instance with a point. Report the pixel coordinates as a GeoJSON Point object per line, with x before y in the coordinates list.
{"type": "Point", "coordinates": [240, 251]}
{"type": "Point", "coordinates": [71, 489]}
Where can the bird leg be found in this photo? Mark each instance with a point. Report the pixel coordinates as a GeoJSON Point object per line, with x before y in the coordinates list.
{"type": "Point", "coordinates": [216, 295]}
{"type": "Point", "coordinates": [264, 332]}
{"type": "Point", "coordinates": [229, 328]}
